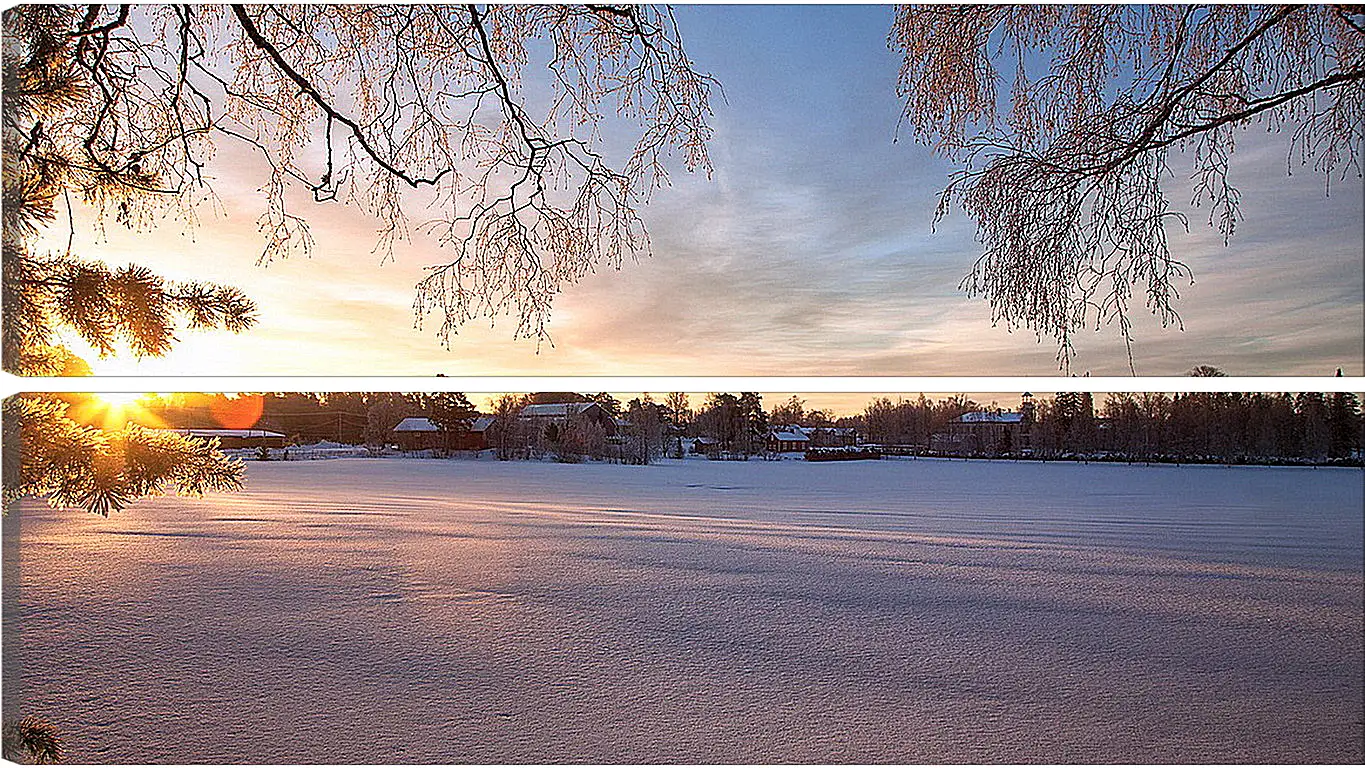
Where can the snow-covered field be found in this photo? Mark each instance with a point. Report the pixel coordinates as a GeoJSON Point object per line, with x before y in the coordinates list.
{"type": "Point", "coordinates": [385, 610]}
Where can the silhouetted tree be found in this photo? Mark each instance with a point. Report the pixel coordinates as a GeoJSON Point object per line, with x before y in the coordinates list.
{"type": "Point", "coordinates": [753, 436]}
{"type": "Point", "coordinates": [793, 411]}
{"type": "Point", "coordinates": [678, 411]}
{"type": "Point", "coordinates": [1315, 437]}
{"type": "Point", "coordinates": [452, 412]}
{"type": "Point", "coordinates": [609, 404]}
{"type": "Point", "coordinates": [384, 411]}
{"type": "Point", "coordinates": [510, 434]}
{"type": "Point", "coordinates": [1205, 371]}
{"type": "Point", "coordinates": [1343, 424]}
{"type": "Point", "coordinates": [722, 419]}
{"type": "Point", "coordinates": [645, 420]}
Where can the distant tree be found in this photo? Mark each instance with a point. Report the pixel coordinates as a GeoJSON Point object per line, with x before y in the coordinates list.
{"type": "Point", "coordinates": [509, 432]}
{"type": "Point", "coordinates": [1205, 371]}
{"type": "Point", "coordinates": [1067, 184]}
{"type": "Point", "coordinates": [576, 438]}
{"type": "Point", "coordinates": [645, 419]}
{"type": "Point", "coordinates": [1120, 412]}
{"type": "Point", "coordinates": [384, 411]}
{"type": "Point", "coordinates": [452, 412]}
{"type": "Point", "coordinates": [793, 411]}
{"type": "Point", "coordinates": [754, 423]}
{"type": "Point", "coordinates": [678, 411]}
{"type": "Point", "coordinates": [301, 416]}
{"type": "Point", "coordinates": [722, 419]}
{"type": "Point", "coordinates": [818, 418]}
{"type": "Point", "coordinates": [1283, 424]}
{"type": "Point", "coordinates": [1081, 434]}
{"type": "Point", "coordinates": [349, 413]}
{"type": "Point", "coordinates": [1314, 431]}
{"type": "Point", "coordinates": [877, 421]}
{"type": "Point", "coordinates": [542, 398]}
{"type": "Point", "coordinates": [1343, 424]}
{"type": "Point", "coordinates": [609, 404]}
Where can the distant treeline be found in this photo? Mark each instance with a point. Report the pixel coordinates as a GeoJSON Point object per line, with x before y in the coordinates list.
{"type": "Point", "coordinates": [1199, 426]}
{"type": "Point", "coordinates": [1220, 426]}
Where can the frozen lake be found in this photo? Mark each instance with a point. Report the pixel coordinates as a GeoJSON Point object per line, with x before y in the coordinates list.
{"type": "Point", "coordinates": [373, 610]}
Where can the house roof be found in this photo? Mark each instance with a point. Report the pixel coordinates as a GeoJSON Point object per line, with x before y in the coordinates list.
{"type": "Point", "coordinates": [556, 410]}
{"type": "Point", "coordinates": [790, 437]}
{"type": "Point", "coordinates": [227, 432]}
{"type": "Point", "coordinates": [481, 423]}
{"type": "Point", "coordinates": [416, 424]}
{"type": "Point", "coordinates": [991, 417]}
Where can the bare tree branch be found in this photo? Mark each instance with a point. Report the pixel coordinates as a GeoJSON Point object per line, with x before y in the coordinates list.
{"type": "Point", "coordinates": [1067, 190]}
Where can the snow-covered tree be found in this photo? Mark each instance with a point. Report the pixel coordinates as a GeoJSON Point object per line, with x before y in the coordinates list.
{"type": "Point", "coordinates": [1066, 174]}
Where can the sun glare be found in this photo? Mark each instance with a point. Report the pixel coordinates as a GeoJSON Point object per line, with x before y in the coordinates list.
{"type": "Point", "coordinates": [120, 398]}
{"type": "Point", "coordinates": [112, 410]}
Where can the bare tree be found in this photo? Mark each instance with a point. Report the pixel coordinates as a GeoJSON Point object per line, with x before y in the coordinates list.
{"type": "Point", "coordinates": [122, 107]}
{"type": "Point", "coordinates": [395, 109]}
{"type": "Point", "coordinates": [678, 409]}
{"type": "Point", "coordinates": [1205, 371]}
{"type": "Point", "coordinates": [645, 430]}
{"type": "Point", "coordinates": [1065, 183]}
{"type": "Point", "coordinates": [793, 411]}
{"type": "Point", "coordinates": [509, 432]}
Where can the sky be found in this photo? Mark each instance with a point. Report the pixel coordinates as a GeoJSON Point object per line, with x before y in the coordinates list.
{"type": "Point", "coordinates": [809, 251]}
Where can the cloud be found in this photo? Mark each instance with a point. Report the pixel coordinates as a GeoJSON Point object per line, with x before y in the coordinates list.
{"type": "Point", "coordinates": [810, 251]}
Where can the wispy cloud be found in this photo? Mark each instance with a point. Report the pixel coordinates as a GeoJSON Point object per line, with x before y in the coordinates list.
{"type": "Point", "coordinates": [810, 251]}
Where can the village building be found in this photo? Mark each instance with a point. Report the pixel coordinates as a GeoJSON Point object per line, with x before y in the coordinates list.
{"type": "Point", "coordinates": [984, 433]}
{"type": "Point", "coordinates": [560, 414]}
{"type": "Point", "coordinates": [832, 437]}
{"type": "Point", "coordinates": [479, 431]}
{"type": "Point", "coordinates": [237, 438]}
{"type": "Point", "coordinates": [419, 433]}
{"type": "Point", "coordinates": [416, 433]}
{"type": "Point", "coordinates": [788, 439]}
{"type": "Point", "coordinates": [791, 437]}
{"type": "Point", "coordinates": [705, 446]}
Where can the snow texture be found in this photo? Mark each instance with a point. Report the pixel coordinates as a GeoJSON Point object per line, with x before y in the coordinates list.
{"type": "Point", "coordinates": [388, 610]}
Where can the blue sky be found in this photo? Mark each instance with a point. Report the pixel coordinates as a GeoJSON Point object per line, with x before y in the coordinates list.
{"type": "Point", "coordinates": [809, 251]}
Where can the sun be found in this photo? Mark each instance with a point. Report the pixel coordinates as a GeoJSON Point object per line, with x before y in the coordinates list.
{"type": "Point", "coordinates": [112, 410]}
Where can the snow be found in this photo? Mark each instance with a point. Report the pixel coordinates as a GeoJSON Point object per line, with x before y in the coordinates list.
{"type": "Point", "coordinates": [399, 611]}
{"type": "Point", "coordinates": [994, 417]}
{"type": "Point", "coordinates": [417, 424]}
{"type": "Point", "coordinates": [555, 410]}
{"type": "Point", "coordinates": [227, 432]}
